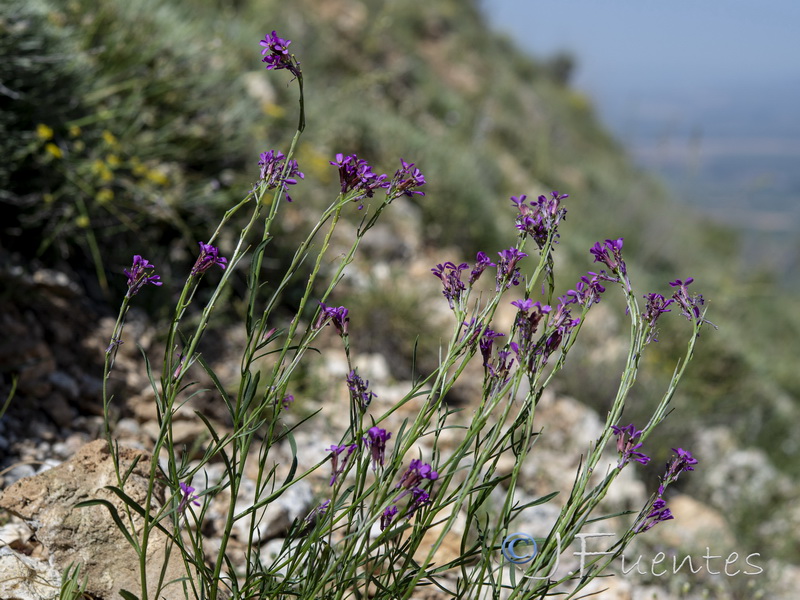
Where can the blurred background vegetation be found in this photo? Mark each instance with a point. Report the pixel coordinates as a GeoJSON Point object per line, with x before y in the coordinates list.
{"type": "Point", "coordinates": [128, 126]}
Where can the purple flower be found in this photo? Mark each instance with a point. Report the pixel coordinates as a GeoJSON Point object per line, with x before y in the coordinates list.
{"type": "Point", "coordinates": [507, 269]}
{"type": "Point", "coordinates": [541, 217]}
{"type": "Point", "coordinates": [419, 497]}
{"type": "Point", "coordinates": [188, 497]}
{"type": "Point", "coordinates": [319, 511]}
{"type": "Point", "coordinates": [656, 306]}
{"type": "Point", "coordinates": [358, 390]}
{"type": "Point", "coordinates": [405, 180]}
{"type": "Point", "coordinates": [337, 468]}
{"type": "Point", "coordinates": [587, 291]}
{"type": "Point", "coordinates": [684, 461]}
{"type": "Point", "coordinates": [338, 316]}
{"type": "Point", "coordinates": [627, 447]}
{"type": "Point", "coordinates": [485, 344]}
{"type": "Point", "coordinates": [388, 516]}
{"type": "Point", "coordinates": [376, 439]}
{"type": "Point", "coordinates": [277, 54]}
{"type": "Point", "coordinates": [450, 275]}
{"type": "Point", "coordinates": [481, 262]}
{"type": "Point", "coordinates": [416, 472]}
{"type": "Point", "coordinates": [209, 256]}
{"type": "Point", "coordinates": [286, 402]}
{"type": "Point", "coordinates": [140, 274]}
{"type": "Point", "coordinates": [610, 254]}
{"type": "Point", "coordinates": [690, 305]}
{"type": "Point", "coordinates": [561, 325]}
{"type": "Point", "coordinates": [657, 514]}
{"type": "Point", "coordinates": [355, 174]}
{"type": "Point", "coordinates": [273, 165]}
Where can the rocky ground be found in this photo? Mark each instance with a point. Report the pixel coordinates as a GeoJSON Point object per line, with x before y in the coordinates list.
{"type": "Point", "coordinates": [49, 457]}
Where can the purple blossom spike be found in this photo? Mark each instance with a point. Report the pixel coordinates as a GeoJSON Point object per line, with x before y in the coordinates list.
{"type": "Point", "coordinates": [627, 445]}
{"type": "Point", "coordinates": [416, 472]}
{"type": "Point", "coordinates": [540, 218]}
{"type": "Point", "coordinates": [273, 164]}
{"type": "Point", "coordinates": [658, 513]}
{"type": "Point", "coordinates": [450, 275]}
{"type": "Point", "coordinates": [561, 325]}
{"type": "Point", "coordinates": [684, 461]}
{"type": "Point", "coordinates": [587, 291]}
{"type": "Point", "coordinates": [188, 497]}
{"type": "Point", "coordinates": [209, 256]}
{"type": "Point", "coordinates": [610, 254]}
{"type": "Point", "coordinates": [388, 515]}
{"type": "Point", "coordinates": [359, 390]}
{"type": "Point", "coordinates": [405, 180]}
{"type": "Point", "coordinates": [485, 344]}
{"type": "Point", "coordinates": [276, 51]}
{"type": "Point", "coordinates": [311, 518]}
{"type": "Point", "coordinates": [139, 275]}
{"type": "Point", "coordinates": [355, 175]}
{"type": "Point", "coordinates": [507, 269]}
{"type": "Point", "coordinates": [376, 439]}
{"type": "Point", "coordinates": [481, 262]}
{"type": "Point", "coordinates": [337, 468]}
{"type": "Point", "coordinates": [690, 305]}
{"type": "Point", "coordinates": [338, 316]}
{"type": "Point", "coordinates": [656, 306]}
{"type": "Point", "coordinates": [419, 497]}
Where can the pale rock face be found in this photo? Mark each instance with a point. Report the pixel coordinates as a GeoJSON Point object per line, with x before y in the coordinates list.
{"type": "Point", "coordinates": [46, 502]}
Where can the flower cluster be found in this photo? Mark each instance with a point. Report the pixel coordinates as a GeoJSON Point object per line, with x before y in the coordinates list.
{"type": "Point", "coordinates": [355, 174]}
{"type": "Point", "coordinates": [338, 316]}
{"type": "Point", "coordinates": [690, 305]}
{"type": "Point", "coordinates": [507, 269]}
{"type": "Point", "coordinates": [450, 275]}
{"type": "Point", "coordinates": [276, 54]}
{"type": "Point", "coordinates": [416, 473]}
{"type": "Point", "coordinates": [338, 465]}
{"type": "Point", "coordinates": [658, 513]}
{"type": "Point", "coordinates": [628, 445]}
{"type": "Point", "coordinates": [209, 256]}
{"type": "Point", "coordinates": [139, 275]}
{"type": "Point", "coordinates": [273, 164]}
{"type": "Point", "coordinates": [405, 180]}
{"type": "Point", "coordinates": [683, 461]}
{"type": "Point", "coordinates": [610, 254]}
{"type": "Point", "coordinates": [656, 306]}
{"type": "Point", "coordinates": [375, 440]}
{"type": "Point", "coordinates": [587, 291]}
{"type": "Point", "coordinates": [359, 390]}
{"type": "Point", "coordinates": [481, 262]}
{"type": "Point", "coordinates": [540, 217]}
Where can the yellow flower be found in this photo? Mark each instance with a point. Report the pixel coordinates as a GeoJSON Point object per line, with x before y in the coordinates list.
{"type": "Point", "coordinates": [82, 221]}
{"type": "Point", "coordinates": [43, 132]}
{"type": "Point", "coordinates": [109, 138]}
{"type": "Point", "coordinates": [48, 198]}
{"type": "Point", "coordinates": [104, 196]}
{"type": "Point", "coordinates": [113, 161]}
{"type": "Point", "coordinates": [74, 131]}
{"type": "Point", "coordinates": [157, 177]}
{"type": "Point", "coordinates": [51, 148]}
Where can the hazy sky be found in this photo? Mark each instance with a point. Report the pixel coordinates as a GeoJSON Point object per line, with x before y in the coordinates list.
{"type": "Point", "coordinates": [682, 51]}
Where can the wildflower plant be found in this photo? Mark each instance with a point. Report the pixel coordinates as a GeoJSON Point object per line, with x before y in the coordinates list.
{"type": "Point", "coordinates": [365, 536]}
